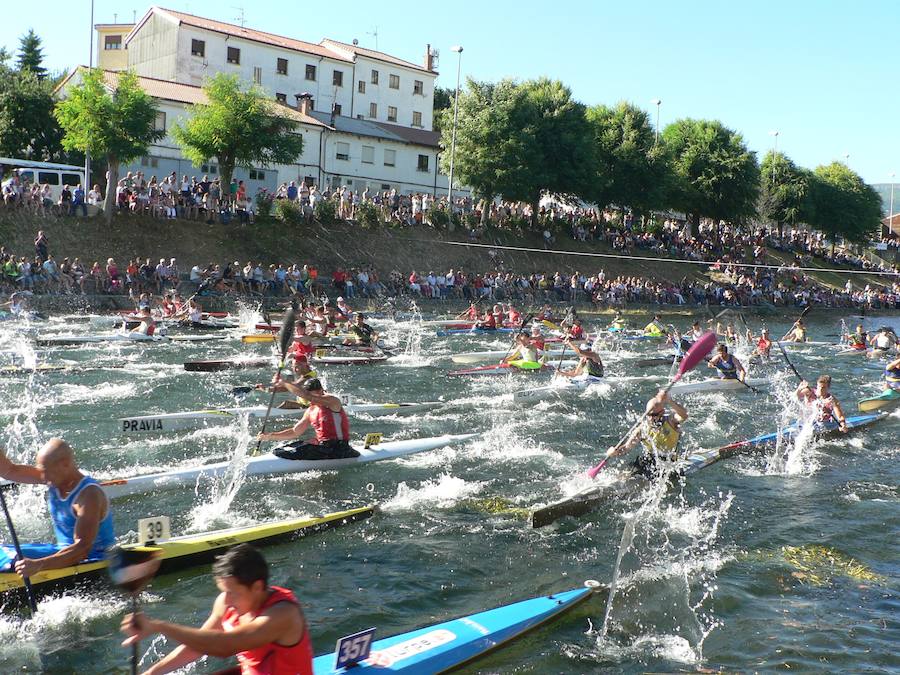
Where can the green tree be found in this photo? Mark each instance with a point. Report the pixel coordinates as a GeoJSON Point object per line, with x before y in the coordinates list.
{"type": "Point", "coordinates": [28, 129]}
{"type": "Point", "coordinates": [115, 123]}
{"type": "Point", "coordinates": [630, 167]}
{"type": "Point", "coordinates": [239, 127]}
{"type": "Point", "coordinates": [31, 55]}
{"type": "Point", "coordinates": [843, 204]}
{"type": "Point", "coordinates": [486, 142]}
{"type": "Point", "coordinates": [784, 196]}
{"type": "Point", "coordinates": [443, 99]}
{"type": "Point", "coordinates": [715, 175]}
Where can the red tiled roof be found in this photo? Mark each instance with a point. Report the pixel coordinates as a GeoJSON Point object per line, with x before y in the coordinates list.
{"type": "Point", "coordinates": [246, 33]}
{"type": "Point", "coordinates": [372, 54]}
{"type": "Point", "coordinates": [187, 93]}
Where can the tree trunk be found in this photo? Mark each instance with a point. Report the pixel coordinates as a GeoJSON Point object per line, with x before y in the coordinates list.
{"type": "Point", "coordinates": [226, 171]}
{"type": "Point", "coordinates": [109, 202]}
{"type": "Point", "coordinates": [535, 207]}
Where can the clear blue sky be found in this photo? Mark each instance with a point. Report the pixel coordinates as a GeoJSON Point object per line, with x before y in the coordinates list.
{"type": "Point", "coordinates": [823, 73]}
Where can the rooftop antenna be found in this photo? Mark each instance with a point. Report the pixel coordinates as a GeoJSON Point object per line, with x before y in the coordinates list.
{"type": "Point", "coordinates": [134, 16]}
{"type": "Point", "coordinates": [240, 17]}
{"type": "Point", "coordinates": [374, 33]}
{"type": "Point", "coordinates": [115, 18]}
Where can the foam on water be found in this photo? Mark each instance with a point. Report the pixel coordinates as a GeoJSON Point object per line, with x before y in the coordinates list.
{"type": "Point", "coordinates": [442, 492]}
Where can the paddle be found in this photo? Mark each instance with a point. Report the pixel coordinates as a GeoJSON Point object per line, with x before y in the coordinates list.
{"type": "Point", "coordinates": [694, 355]}
{"type": "Point", "coordinates": [784, 354]}
{"type": "Point", "coordinates": [513, 344]}
{"type": "Point", "coordinates": [805, 311]}
{"type": "Point", "coordinates": [15, 539]}
{"type": "Point", "coordinates": [131, 569]}
{"type": "Point", "coordinates": [285, 336]}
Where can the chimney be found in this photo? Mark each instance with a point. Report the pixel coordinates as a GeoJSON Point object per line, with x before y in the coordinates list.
{"type": "Point", "coordinates": [333, 112]}
{"type": "Point", "coordinates": [304, 102]}
{"type": "Point", "coordinates": [428, 58]}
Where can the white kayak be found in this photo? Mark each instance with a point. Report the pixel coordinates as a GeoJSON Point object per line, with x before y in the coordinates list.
{"type": "Point", "coordinates": [481, 357]}
{"type": "Point", "coordinates": [347, 360]}
{"type": "Point", "coordinates": [559, 387]}
{"type": "Point", "coordinates": [64, 340]}
{"type": "Point", "coordinates": [269, 464]}
{"type": "Point", "coordinates": [186, 420]}
{"type": "Point", "coordinates": [719, 385]}
{"type": "Point", "coordinates": [808, 343]}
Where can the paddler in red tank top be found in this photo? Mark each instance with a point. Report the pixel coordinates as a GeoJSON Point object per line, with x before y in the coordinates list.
{"type": "Point", "coordinates": [326, 416]}
{"type": "Point", "coordinates": [262, 625]}
{"type": "Point", "coordinates": [828, 407]}
{"type": "Point", "coordinates": [537, 339]}
{"type": "Point", "coordinates": [302, 344]}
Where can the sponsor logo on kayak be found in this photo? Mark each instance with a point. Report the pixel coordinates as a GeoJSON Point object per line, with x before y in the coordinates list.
{"type": "Point", "coordinates": [401, 651]}
{"type": "Point", "coordinates": [142, 425]}
{"type": "Point", "coordinates": [474, 625]}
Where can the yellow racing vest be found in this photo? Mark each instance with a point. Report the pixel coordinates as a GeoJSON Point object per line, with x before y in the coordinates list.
{"type": "Point", "coordinates": [661, 437]}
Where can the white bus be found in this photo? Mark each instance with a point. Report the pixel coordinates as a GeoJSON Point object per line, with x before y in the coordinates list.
{"type": "Point", "coordinates": [54, 175]}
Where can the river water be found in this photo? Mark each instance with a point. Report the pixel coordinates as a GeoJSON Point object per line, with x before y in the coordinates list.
{"type": "Point", "coordinates": [786, 559]}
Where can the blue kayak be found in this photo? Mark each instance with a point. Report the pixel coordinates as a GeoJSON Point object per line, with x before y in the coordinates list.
{"type": "Point", "coordinates": [474, 331]}
{"type": "Point", "coordinates": [445, 646]}
{"type": "Point", "coordinates": [644, 337]}
{"type": "Point", "coordinates": [699, 460]}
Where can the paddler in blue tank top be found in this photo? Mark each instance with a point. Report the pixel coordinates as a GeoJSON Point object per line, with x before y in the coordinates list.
{"type": "Point", "coordinates": [727, 364]}
{"type": "Point", "coordinates": [892, 375]}
{"type": "Point", "coordinates": [82, 517]}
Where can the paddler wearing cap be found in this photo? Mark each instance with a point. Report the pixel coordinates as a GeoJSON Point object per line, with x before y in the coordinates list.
{"type": "Point", "coordinates": [659, 434]}
{"type": "Point", "coordinates": [302, 374]}
{"type": "Point", "coordinates": [589, 362]}
{"type": "Point", "coordinates": [328, 419]}
{"type": "Point", "coordinates": [524, 355]}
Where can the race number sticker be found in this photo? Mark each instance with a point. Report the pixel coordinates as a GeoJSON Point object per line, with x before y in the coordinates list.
{"type": "Point", "coordinates": [372, 439]}
{"type": "Point", "coordinates": [351, 649]}
{"type": "Point", "coordinates": [154, 529]}
{"type": "Point", "coordinates": [401, 651]}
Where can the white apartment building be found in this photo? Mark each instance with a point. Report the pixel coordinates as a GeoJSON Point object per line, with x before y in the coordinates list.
{"type": "Point", "coordinates": [366, 116]}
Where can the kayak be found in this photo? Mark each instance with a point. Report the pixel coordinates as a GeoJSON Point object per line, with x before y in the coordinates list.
{"type": "Point", "coordinates": [269, 464]}
{"type": "Point", "coordinates": [808, 343]}
{"type": "Point", "coordinates": [187, 420]}
{"type": "Point", "coordinates": [68, 340]}
{"type": "Point", "coordinates": [346, 360]}
{"type": "Point", "coordinates": [478, 357]}
{"type": "Point", "coordinates": [851, 351]}
{"type": "Point", "coordinates": [42, 368]}
{"type": "Point", "coordinates": [474, 331]}
{"type": "Point", "coordinates": [447, 646]}
{"type": "Point", "coordinates": [273, 337]}
{"type": "Point", "coordinates": [559, 387]}
{"type": "Point", "coordinates": [211, 366]}
{"type": "Point", "coordinates": [652, 336]}
{"type": "Point", "coordinates": [177, 553]}
{"type": "Point", "coordinates": [506, 368]}
{"type": "Point", "coordinates": [719, 385]}
{"type": "Point", "coordinates": [205, 315]}
{"type": "Point", "coordinates": [589, 498]}
{"type": "Point", "coordinates": [662, 361]}
{"type": "Point", "coordinates": [886, 399]}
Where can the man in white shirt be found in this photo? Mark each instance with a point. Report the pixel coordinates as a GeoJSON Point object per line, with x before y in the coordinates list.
{"type": "Point", "coordinates": [196, 274]}
{"type": "Point", "coordinates": [162, 275]}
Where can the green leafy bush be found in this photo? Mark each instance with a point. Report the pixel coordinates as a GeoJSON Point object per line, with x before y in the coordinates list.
{"type": "Point", "coordinates": [288, 211]}
{"type": "Point", "coordinates": [368, 215]}
{"type": "Point", "coordinates": [325, 211]}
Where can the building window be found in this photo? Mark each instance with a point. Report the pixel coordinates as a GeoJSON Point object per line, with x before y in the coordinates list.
{"type": "Point", "coordinates": [374, 77]}
{"type": "Point", "coordinates": [257, 174]}
{"type": "Point", "coordinates": [394, 82]}
{"type": "Point", "coordinates": [281, 98]}
{"type": "Point", "coordinates": [373, 110]}
{"type": "Point", "coordinates": [423, 163]}
{"type": "Point", "coordinates": [311, 73]}
{"type": "Point", "coordinates": [336, 108]}
{"type": "Point", "coordinates": [210, 169]}
{"type": "Point", "coordinates": [337, 78]}
{"type": "Point", "coordinates": [361, 87]}
{"type": "Point", "coordinates": [417, 119]}
{"type": "Point", "coordinates": [233, 56]}
{"type": "Point", "coordinates": [257, 74]}
{"type": "Point", "coordinates": [342, 151]}
{"type": "Point", "coordinates": [390, 157]}
{"type": "Point", "coordinates": [198, 48]}
{"type": "Point", "coordinates": [112, 42]}
{"type": "Point", "coordinates": [159, 123]}
{"type": "Point", "coordinates": [418, 88]}
{"type": "Point", "coordinates": [281, 67]}
{"type": "Point", "coordinates": [368, 154]}
{"type": "Point", "coordinates": [385, 186]}
{"type": "Point", "coordinates": [392, 114]}
{"type": "Point", "coordinates": [152, 162]}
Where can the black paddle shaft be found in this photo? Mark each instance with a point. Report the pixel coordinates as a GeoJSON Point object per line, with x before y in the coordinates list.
{"type": "Point", "coordinates": [15, 539]}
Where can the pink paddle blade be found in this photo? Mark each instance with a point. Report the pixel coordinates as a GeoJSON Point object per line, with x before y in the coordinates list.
{"type": "Point", "coordinates": [698, 351]}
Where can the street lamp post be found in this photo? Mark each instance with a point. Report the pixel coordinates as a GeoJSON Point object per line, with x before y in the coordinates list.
{"type": "Point", "coordinates": [891, 210]}
{"type": "Point", "coordinates": [657, 102]}
{"type": "Point", "coordinates": [458, 50]}
{"type": "Point", "coordinates": [774, 153]}
{"type": "Point", "coordinates": [87, 153]}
